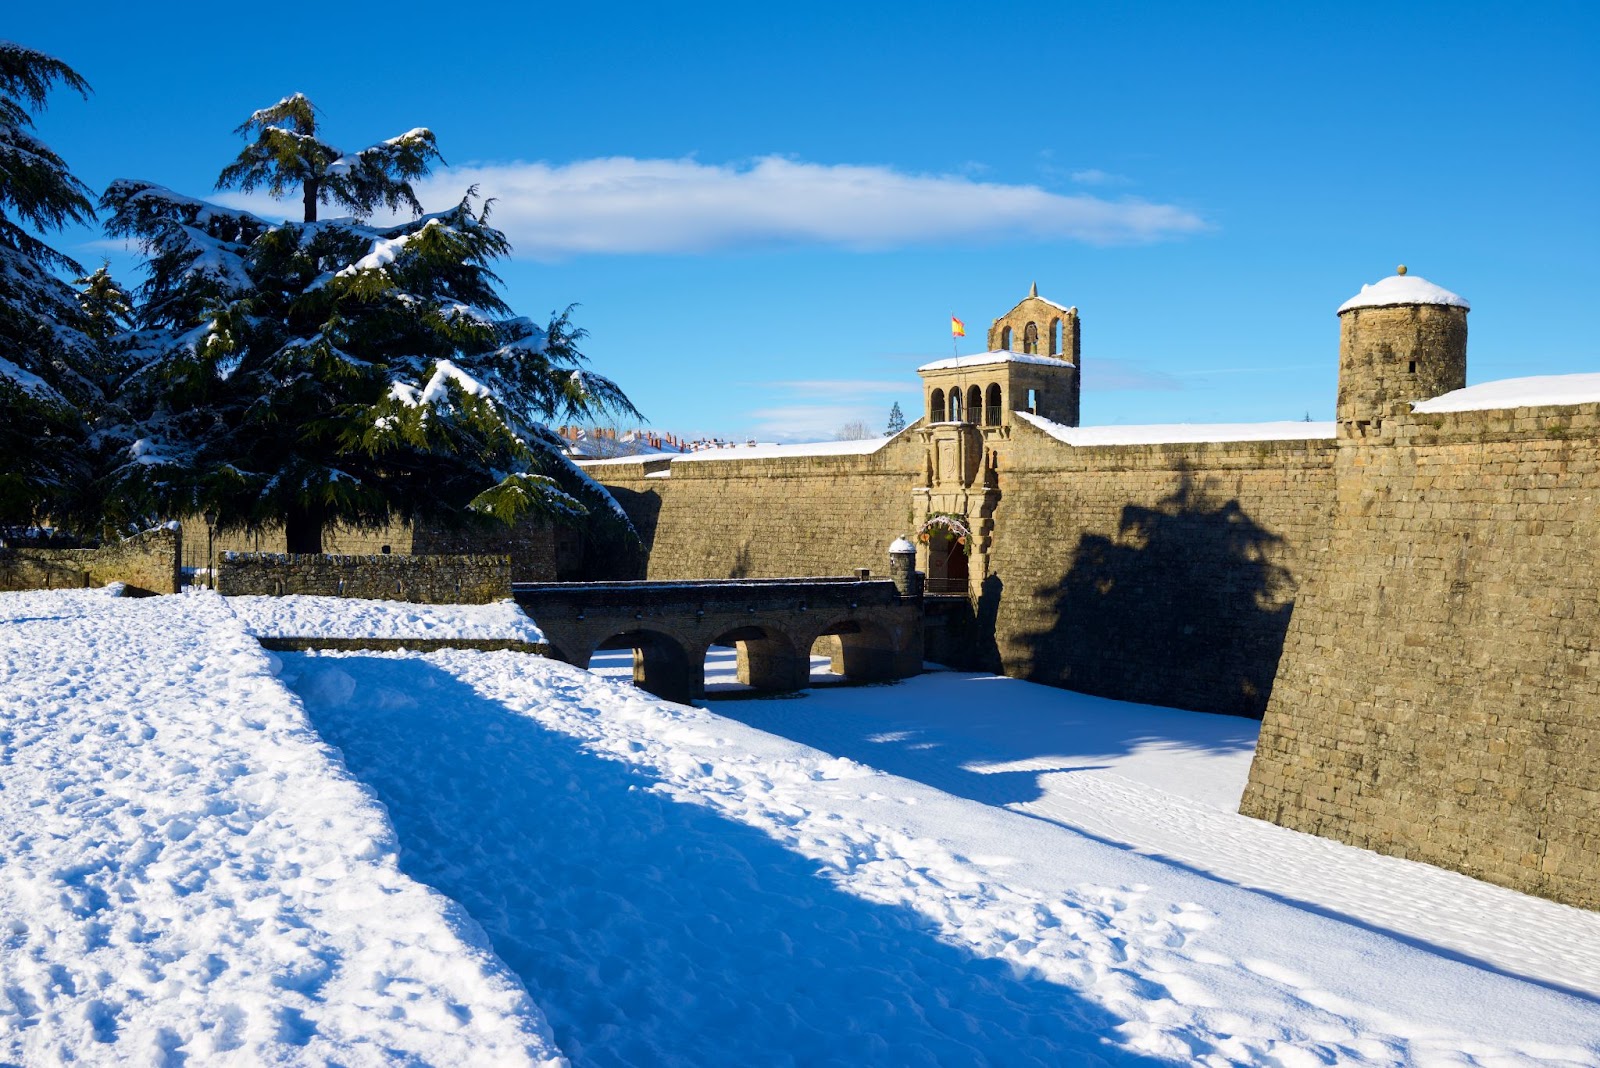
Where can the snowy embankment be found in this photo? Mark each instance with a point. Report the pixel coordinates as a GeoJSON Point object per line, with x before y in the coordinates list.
{"type": "Point", "coordinates": [345, 617]}
{"type": "Point", "coordinates": [695, 891]}
{"type": "Point", "coordinates": [189, 871]}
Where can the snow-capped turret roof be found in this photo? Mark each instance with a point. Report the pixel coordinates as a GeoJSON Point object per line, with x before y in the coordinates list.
{"type": "Point", "coordinates": [983, 359]}
{"type": "Point", "coordinates": [1402, 288]}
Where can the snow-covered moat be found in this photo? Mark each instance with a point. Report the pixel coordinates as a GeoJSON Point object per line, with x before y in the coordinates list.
{"type": "Point", "coordinates": [213, 854]}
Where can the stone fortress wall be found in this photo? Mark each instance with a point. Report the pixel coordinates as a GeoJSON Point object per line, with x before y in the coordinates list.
{"type": "Point", "coordinates": [1412, 605]}
{"type": "Point", "coordinates": [1438, 697]}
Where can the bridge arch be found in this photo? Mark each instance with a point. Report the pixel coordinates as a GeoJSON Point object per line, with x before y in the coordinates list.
{"type": "Point", "coordinates": [865, 650]}
{"type": "Point", "coordinates": [769, 658]}
{"type": "Point", "coordinates": [661, 663]}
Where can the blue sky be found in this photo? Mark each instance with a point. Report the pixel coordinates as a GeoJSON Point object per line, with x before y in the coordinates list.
{"type": "Point", "coordinates": [768, 215]}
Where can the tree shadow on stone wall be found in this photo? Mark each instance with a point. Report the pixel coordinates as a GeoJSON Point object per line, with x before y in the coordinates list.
{"type": "Point", "coordinates": [1187, 607]}
{"type": "Point", "coordinates": [611, 556]}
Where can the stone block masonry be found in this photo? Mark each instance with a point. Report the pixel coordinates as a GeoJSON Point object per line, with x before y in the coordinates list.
{"type": "Point", "coordinates": [1163, 574]}
{"type": "Point", "coordinates": [768, 518]}
{"type": "Point", "coordinates": [1438, 697]}
{"type": "Point", "coordinates": [475, 579]}
{"type": "Point", "coordinates": [539, 551]}
{"type": "Point", "coordinates": [145, 563]}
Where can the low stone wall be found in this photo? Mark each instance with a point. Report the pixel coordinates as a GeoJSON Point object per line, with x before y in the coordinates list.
{"type": "Point", "coordinates": [478, 579]}
{"type": "Point", "coordinates": [539, 550]}
{"type": "Point", "coordinates": [1438, 696]}
{"type": "Point", "coordinates": [414, 645]}
{"type": "Point", "coordinates": [145, 563]}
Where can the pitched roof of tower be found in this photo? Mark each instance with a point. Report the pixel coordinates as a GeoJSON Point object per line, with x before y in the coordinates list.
{"type": "Point", "coordinates": [982, 359]}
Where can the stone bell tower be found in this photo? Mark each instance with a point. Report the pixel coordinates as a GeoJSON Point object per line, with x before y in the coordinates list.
{"type": "Point", "coordinates": [971, 405]}
{"type": "Point", "coordinates": [1401, 339]}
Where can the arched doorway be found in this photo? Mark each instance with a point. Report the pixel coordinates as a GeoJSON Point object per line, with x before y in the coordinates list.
{"type": "Point", "coordinates": [948, 540]}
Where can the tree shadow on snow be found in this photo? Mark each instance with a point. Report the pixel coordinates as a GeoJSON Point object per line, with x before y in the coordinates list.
{"type": "Point", "coordinates": [658, 932]}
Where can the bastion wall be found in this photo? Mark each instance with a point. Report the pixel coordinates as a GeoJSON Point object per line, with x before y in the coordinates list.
{"type": "Point", "coordinates": [1438, 697]}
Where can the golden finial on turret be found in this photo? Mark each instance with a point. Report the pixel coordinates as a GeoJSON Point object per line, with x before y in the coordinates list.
{"type": "Point", "coordinates": [1400, 269]}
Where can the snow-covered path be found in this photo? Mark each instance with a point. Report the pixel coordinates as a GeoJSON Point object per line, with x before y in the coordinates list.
{"type": "Point", "coordinates": [796, 907]}
{"type": "Point", "coordinates": [190, 874]}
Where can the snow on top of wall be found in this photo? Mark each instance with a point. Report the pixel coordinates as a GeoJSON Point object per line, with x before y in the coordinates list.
{"type": "Point", "coordinates": [1174, 433]}
{"type": "Point", "coordinates": [1529, 392]}
{"type": "Point", "coordinates": [1402, 289]}
{"type": "Point", "coordinates": [305, 616]}
{"type": "Point", "coordinates": [983, 359]}
{"type": "Point", "coordinates": [767, 452]}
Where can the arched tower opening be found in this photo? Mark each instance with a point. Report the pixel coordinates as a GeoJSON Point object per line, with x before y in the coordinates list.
{"type": "Point", "coordinates": [936, 406]}
{"type": "Point", "coordinates": [992, 404]}
{"type": "Point", "coordinates": [1030, 339]}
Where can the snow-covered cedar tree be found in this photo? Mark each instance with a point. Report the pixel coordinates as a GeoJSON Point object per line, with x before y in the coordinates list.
{"type": "Point", "coordinates": [48, 387]}
{"type": "Point", "coordinates": [341, 370]}
{"type": "Point", "coordinates": [897, 421]}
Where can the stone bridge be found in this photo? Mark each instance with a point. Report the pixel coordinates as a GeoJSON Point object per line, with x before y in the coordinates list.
{"type": "Point", "coordinates": [868, 627]}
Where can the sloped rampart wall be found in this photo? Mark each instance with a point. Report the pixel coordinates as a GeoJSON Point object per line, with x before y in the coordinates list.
{"type": "Point", "coordinates": [1438, 696]}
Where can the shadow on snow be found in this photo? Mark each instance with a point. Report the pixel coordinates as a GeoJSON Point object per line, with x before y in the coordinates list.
{"type": "Point", "coordinates": [657, 932]}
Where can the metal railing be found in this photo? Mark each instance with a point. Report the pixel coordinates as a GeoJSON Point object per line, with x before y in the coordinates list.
{"type": "Point", "coordinates": [945, 586]}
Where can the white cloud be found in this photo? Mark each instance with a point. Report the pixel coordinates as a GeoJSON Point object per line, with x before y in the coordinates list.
{"type": "Point", "coordinates": [835, 387]}
{"type": "Point", "coordinates": [810, 422]}
{"type": "Point", "coordinates": [621, 205]}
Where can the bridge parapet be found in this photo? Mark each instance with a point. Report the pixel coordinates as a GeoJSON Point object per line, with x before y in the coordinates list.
{"type": "Point", "coordinates": [876, 632]}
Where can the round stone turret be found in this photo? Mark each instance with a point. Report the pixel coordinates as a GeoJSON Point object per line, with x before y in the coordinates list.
{"type": "Point", "coordinates": [903, 567]}
{"type": "Point", "coordinates": [1400, 339]}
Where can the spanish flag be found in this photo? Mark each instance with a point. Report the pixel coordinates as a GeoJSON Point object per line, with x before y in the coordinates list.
{"type": "Point", "coordinates": [957, 327]}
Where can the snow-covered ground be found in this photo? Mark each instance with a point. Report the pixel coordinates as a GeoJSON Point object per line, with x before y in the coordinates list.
{"type": "Point", "coordinates": [955, 869]}
{"type": "Point", "coordinates": [191, 873]}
